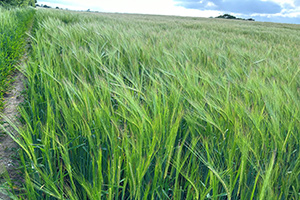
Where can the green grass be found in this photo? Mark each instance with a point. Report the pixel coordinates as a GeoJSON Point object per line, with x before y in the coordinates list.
{"type": "Point", "coordinates": [151, 107]}
{"type": "Point", "coordinates": [14, 24]}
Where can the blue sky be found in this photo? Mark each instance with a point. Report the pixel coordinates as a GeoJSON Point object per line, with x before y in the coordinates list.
{"type": "Point", "coordinates": [284, 11]}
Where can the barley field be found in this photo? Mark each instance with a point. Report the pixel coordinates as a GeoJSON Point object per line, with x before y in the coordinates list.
{"type": "Point", "coordinates": [155, 107]}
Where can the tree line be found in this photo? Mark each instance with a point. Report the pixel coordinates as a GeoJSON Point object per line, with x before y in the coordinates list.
{"type": "Point", "coordinates": [228, 16]}
{"type": "Point", "coordinates": [19, 3]}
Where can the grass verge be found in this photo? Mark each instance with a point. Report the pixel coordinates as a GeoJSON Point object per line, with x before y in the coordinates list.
{"type": "Point", "coordinates": [14, 24]}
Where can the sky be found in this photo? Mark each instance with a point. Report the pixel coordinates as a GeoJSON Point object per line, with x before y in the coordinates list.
{"type": "Point", "coordinates": [283, 11]}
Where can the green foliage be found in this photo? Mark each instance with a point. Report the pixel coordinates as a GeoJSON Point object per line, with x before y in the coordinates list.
{"type": "Point", "coordinates": [228, 16]}
{"type": "Point", "coordinates": [149, 107]}
{"type": "Point", "coordinates": [19, 3]}
{"type": "Point", "coordinates": [14, 24]}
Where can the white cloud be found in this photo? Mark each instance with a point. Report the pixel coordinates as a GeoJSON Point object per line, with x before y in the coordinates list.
{"type": "Point", "coordinates": [165, 7]}
{"type": "Point", "coordinates": [284, 3]}
{"type": "Point", "coordinates": [290, 8]}
{"type": "Point", "coordinates": [160, 7]}
{"type": "Point", "coordinates": [210, 4]}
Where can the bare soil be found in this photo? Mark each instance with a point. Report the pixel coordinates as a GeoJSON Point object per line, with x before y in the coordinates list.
{"type": "Point", "coordinates": [8, 148]}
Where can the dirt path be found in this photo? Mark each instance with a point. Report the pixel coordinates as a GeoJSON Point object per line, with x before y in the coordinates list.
{"type": "Point", "coordinates": [8, 148]}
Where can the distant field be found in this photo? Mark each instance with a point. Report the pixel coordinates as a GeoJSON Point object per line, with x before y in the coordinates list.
{"type": "Point", "coordinates": [152, 107]}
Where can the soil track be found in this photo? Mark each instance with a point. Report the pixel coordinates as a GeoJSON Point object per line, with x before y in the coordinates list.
{"type": "Point", "coordinates": [8, 148]}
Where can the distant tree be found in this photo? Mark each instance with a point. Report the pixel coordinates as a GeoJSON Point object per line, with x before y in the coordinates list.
{"type": "Point", "coordinates": [45, 6]}
{"type": "Point", "coordinates": [57, 7]}
{"type": "Point", "coordinates": [228, 16]}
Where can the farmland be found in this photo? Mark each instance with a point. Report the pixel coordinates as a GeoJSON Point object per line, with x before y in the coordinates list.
{"type": "Point", "coordinates": [154, 107]}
